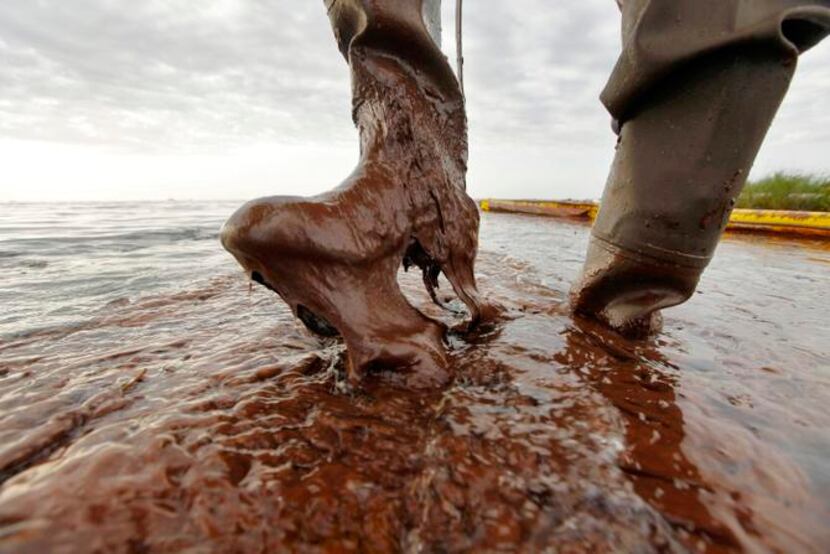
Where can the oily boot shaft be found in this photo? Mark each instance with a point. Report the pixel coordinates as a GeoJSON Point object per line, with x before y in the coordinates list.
{"type": "Point", "coordinates": [693, 95]}
{"type": "Point", "coordinates": [334, 257]}
{"type": "Point", "coordinates": [408, 106]}
{"type": "Point", "coordinates": [410, 111]}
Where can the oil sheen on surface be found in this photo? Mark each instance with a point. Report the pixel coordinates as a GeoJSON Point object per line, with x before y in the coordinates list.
{"type": "Point", "coordinates": [148, 405]}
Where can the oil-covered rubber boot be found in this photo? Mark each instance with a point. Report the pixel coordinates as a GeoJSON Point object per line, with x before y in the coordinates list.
{"type": "Point", "coordinates": [334, 258]}
{"type": "Point", "coordinates": [693, 96]}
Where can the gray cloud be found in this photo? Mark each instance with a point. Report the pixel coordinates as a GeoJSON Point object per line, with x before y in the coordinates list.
{"type": "Point", "coordinates": [227, 71]}
{"type": "Point", "coordinates": [183, 76]}
{"type": "Point", "coordinates": [169, 72]}
{"type": "Point", "coordinates": [537, 67]}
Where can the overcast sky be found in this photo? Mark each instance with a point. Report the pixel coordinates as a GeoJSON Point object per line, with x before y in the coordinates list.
{"type": "Point", "coordinates": [157, 99]}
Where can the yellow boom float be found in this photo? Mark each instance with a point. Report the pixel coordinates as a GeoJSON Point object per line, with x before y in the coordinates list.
{"type": "Point", "coordinates": [814, 224]}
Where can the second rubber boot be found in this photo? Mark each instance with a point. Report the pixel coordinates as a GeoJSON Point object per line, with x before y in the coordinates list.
{"type": "Point", "coordinates": [694, 92]}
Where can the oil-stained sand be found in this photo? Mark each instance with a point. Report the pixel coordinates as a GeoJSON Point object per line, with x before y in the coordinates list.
{"type": "Point", "coordinates": [210, 421]}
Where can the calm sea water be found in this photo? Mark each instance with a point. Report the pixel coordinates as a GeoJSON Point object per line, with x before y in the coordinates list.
{"type": "Point", "coordinates": [63, 262]}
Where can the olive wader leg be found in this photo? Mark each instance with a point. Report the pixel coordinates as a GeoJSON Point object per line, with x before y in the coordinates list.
{"type": "Point", "coordinates": [692, 96]}
{"type": "Point", "coordinates": [334, 258]}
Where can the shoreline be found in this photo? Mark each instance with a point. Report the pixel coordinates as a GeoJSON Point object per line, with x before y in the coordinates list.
{"type": "Point", "coordinates": [775, 222]}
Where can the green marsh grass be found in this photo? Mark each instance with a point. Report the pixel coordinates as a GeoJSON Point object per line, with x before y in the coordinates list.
{"type": "Point", "coordinates": [788, 191]}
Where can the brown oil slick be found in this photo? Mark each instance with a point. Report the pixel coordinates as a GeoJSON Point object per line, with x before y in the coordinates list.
{"type": "Point", "coordinates": [334, 258]}
{"type": "Point", "coordinates": [146, 430]}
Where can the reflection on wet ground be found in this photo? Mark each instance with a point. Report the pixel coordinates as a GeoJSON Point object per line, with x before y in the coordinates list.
{"type": "Point", "coordinates": [207, 420]}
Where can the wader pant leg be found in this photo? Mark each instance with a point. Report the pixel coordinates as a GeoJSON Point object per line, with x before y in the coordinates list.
{"type": "Point", "coordinates": [692, 96]}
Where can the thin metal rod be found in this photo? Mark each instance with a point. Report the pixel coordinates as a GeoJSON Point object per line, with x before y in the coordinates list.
{"type": "Point", "coordinates": [459, 46]}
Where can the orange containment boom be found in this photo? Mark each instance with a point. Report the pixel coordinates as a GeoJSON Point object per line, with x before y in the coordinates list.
{"type": "Point", "coordinates": [765, 221]}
